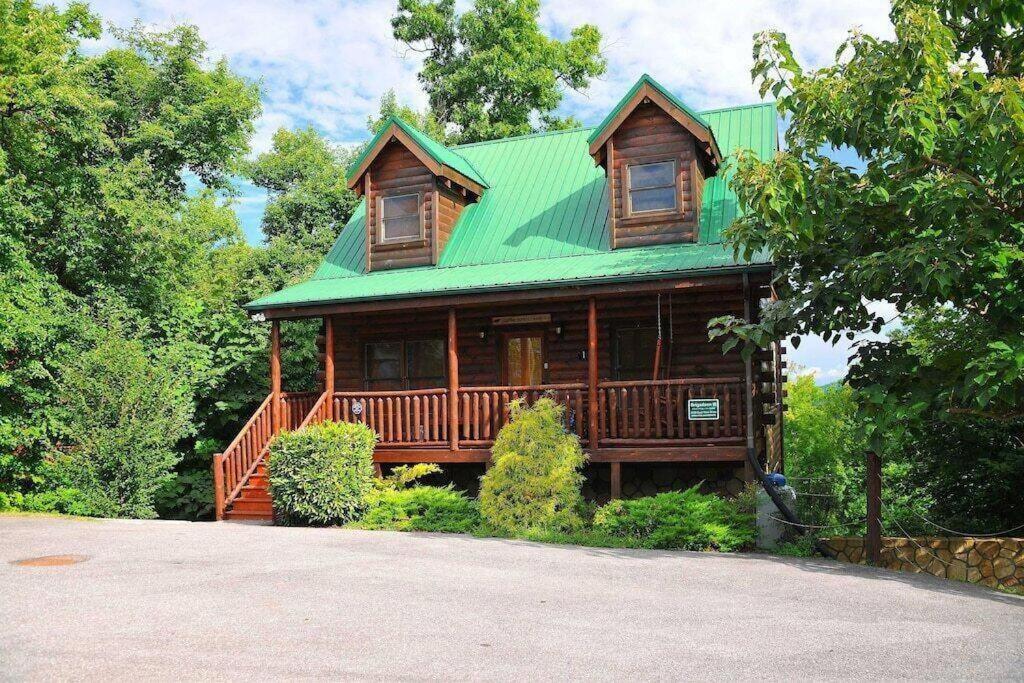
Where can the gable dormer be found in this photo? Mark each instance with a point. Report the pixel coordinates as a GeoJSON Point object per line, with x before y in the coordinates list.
{"type": "Point", "coordinates": [657, 153]}
{"type": "Point", "coordinates": [415, 189]}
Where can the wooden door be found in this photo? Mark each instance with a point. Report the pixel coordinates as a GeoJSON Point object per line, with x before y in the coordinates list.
{"type": "Point", "coordinates": [523, 359]}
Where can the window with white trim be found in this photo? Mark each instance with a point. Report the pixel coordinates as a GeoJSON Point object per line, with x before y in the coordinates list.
{"type": "Point", "coordinates": [651, 187]}
{"type": "Point", "coordinates": [400, 218]}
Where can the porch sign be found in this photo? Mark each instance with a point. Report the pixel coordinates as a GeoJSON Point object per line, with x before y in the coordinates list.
{"type": "Point", "coordinates": [702, 409]}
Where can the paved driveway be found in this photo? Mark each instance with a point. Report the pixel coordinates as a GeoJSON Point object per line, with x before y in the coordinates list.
{"type": "Point", "coordinates": [173, 600]}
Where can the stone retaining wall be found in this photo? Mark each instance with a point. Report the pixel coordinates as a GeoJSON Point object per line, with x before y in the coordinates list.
{"type": "Point", "coordinates": [989, 561]}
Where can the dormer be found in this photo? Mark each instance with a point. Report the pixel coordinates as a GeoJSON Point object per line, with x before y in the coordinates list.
{"type": "Point", "coordinates": [657, 153]}
{"type": "Point", "coordinates": [415, 189]}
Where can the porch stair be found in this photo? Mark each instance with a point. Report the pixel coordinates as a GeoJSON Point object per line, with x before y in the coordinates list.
{"type": "Point", "coordinates": [241, 486]}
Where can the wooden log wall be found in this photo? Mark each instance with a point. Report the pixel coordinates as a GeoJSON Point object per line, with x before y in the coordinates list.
{"type": "Point", "coordinates": [397, 171]}
{"type": "Point", "coordinates": [649, 135]}
{"type": "Point", "coordinates": [688, 354]}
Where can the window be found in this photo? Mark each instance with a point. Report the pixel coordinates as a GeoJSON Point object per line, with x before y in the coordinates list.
{"type": "Point", "coordinates": [652, 187]}
{"type": "Point", "coordinates": [400, 218]}
{"type": "Point", "coordinates": [634, 352]}
{"type": "Point", "coordinates": [395, 365]}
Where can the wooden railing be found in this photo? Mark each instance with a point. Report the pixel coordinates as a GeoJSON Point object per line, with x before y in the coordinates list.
{"type": "Point", "coordinates": [232, 467]}
{"type": "Point", "coordinates": [295, 406]}
{"type": "Point", "coordinates": [318, 413]}
{"type": "Point", "coordinates": [418, 417]}
{"type": "Point", "coordinates": [483, 411]}
{"type": "Point", "coordinates": [649, 413]}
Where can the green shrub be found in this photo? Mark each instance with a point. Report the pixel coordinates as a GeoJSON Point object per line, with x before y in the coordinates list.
{"type": "Point", "coordinates": [322, 474]}
{"type": "Point", "coordinates": [420, 508]}
{"type": "Point", "coordinates": [689, 520]}
{"type": "Point", "coordinates": [186, 495]}
{"type": "Point", "coordinates": [66, 501]}
{"type": "Point", "coordinates": [124, 412]}
{"type": "Point", "coordinates": [534, 483]}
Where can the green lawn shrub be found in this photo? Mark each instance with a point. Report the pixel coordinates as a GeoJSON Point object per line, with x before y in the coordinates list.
{"type": "Point", "coordinates": [397, 503]}
{"type": "Point", "coordinates": [688, 520]}
{"type": "Point", "coordinates": [536, 478]}
{"type": "Point", "coordinates": [322, 474]}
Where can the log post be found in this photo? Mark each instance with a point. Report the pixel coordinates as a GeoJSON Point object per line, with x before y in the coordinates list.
{"type": "Point", "coordinates": [218, 485]}
{"type": "Point", "coordinates": [616, 481]}
{"type": "Point", "coordinates": [275, 376]}
{"type": "Point", "coordinates": [873, 540]}
{"type": "Point", "coordinates": [593, 438]}
{"type": "Point", "coordinates": [453, 380]}
{"type": "Point", "coordinates": [329, 366]}
{"type": "Point", "coordinates": [749, 372]}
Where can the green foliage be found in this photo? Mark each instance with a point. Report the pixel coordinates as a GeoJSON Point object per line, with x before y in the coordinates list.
{"type": "Point", "coordinates": [322, 474]}
{"type": "Point", "coordinates": [390, 106]}
{"type": "Point", "coordinates": [536, 477]}
{"type": "Point", "coordinates": [124, 412]}
{"type": "Point", "coordinates": [490, 71]}
{"type": "Point", "coordinates": [689, 520]}
{"type": "Point", "coordinates": [420, 508]}
{"type": "Point", "coordinates": [935, 221]}
{"type": "Point", "coordinates": [186, 495]}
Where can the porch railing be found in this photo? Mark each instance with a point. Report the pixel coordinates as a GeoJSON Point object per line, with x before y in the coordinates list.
{"type": "Point", "coordinates": [640, 413]}
{"type": "Point", "coordinates": [483, 411]}
{"type": "Point", "coordinates": [232, 468]}
{"type": "Point", "coordinates": [417, 417]}
{"type": "Point", "coordinates": [295, 406]}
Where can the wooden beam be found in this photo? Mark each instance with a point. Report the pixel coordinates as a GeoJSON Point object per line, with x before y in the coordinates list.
{"type": "Point", "coordinates": [555, 293]}
{"type": "Point", "coordinates": [593, 438]}
{"type": "Point", "coordinates": [329, 365]}
{"type": "Point", "coordinates": [438, 455]}
{"type": "Point", "coordinates": [733, 454]}
{"type": "Point", "coordinates": [275, 376]}
{"type": "Point", "coordinates": [218, 486]}
{"type": "Point", "coordinates": [616, 480]}
{"type": "Point", "coordinates": [749, 376]}
{"type": "Point", "coordinates": [873, 540]}
{"type": "Point", "coordinates": [453, 380]}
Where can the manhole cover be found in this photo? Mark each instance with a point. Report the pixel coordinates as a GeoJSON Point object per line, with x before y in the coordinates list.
{"type": "Point", "coordinates": [50, 561]}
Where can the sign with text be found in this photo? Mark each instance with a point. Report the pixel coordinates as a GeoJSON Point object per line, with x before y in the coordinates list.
{"type": "Point", "coordinates": [703, 409]}
{"type": "Point", "coordinates": [521, 319]}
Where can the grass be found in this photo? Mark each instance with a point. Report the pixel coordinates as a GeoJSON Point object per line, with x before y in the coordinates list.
{"type": "Point", "coordinates": [32, 513]}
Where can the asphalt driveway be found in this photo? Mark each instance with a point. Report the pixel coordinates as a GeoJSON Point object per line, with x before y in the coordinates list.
{"type": "Point", "coordinates": [174, 600]}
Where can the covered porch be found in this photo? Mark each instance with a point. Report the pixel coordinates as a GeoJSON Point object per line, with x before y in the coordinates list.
{"type": "Point", "coordinates": [632, 365]}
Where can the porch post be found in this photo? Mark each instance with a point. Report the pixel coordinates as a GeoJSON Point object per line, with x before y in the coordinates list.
{"type": "Point", "coordinates": [453, 380]}
{"type": "Point", "coordinates": [593, 438]}
{"type": "Point", "coordinates": [275, 376]}
{"type": "Point", "coordinates": [329, 365]}
{"type": "Point", "coordinates": [749, 371]}
{"type": "Point", "coordinates": [616, 482]}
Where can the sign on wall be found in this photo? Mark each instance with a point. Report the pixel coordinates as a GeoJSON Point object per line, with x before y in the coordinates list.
{"type": "Point", "coordinates": [703, 409]}
{"type": "Point", "coordinates": [521, 319]}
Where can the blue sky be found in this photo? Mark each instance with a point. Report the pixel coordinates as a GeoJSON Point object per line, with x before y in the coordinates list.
{"type": "Point", "coordinates": [326, 63]}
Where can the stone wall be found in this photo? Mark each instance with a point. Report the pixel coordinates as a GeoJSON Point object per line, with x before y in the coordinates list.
{"type": "Point", "coordinates": [989, 561]}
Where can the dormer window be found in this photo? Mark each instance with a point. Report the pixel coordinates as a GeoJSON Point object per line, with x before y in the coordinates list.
{"type": "Point", "coordinates": [652, 187]}
{"type": "Point", "coordinates": [401, 218]}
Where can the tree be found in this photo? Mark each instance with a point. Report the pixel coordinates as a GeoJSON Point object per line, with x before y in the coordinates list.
{"type": "Point", "coordinates": [490, 72]}
{"type": "Point", "coordinates": [934, 222]}
{"type": "Point", "coordinates": [390, 106]}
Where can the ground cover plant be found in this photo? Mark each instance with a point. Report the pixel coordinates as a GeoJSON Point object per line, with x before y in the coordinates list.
{"type": "Point", "coordinates": [398, 503]}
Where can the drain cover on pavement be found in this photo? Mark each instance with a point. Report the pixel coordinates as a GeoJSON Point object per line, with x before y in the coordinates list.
{"type": "Point", "coordinates": [50, 561]}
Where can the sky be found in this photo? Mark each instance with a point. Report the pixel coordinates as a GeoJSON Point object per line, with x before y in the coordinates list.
{"type": "Point", "coordinates": [326, 63]}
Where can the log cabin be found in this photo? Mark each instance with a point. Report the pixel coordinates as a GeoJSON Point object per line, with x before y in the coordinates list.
{"type": "Point", "coordinates": [582, 264]}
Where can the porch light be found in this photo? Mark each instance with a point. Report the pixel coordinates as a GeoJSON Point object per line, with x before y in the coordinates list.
{"type": "Point", "coordinates": [559, 332]}
{"type": "Point", "coordinates": [483, 334]}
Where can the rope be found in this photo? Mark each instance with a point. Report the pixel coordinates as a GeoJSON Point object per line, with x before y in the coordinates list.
{"type": "Point", "coordinates": [964, 533]}
{"type": "Point", "coordinates": [817, 526]}
{"type": "Point", "coordinates": [911, 539]}
{"type": "Point", "coordinates": [816, 495]}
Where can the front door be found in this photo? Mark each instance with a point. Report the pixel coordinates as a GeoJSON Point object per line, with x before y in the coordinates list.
{"type": "Point", "coordinates": [523, 359]}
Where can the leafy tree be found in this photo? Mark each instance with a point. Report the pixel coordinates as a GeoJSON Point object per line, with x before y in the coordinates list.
{"type": "Point", "coordinates": [935, 221]}
{"type": "Point", "coordinates": [491, 72]}
{"type": "Point", "coordinates": [390, 106]}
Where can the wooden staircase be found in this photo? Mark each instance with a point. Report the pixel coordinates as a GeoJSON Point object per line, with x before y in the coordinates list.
{"type": "Point", "coordinates": [240, 483]}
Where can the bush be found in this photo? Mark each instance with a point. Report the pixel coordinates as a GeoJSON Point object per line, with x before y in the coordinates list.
{"type": "Point", "coordinates": [124, 413]}
{"type": "Point", "coordinates": [421, 508]}
{"type": "Point", "coordinates": [63, 500]}
{"type": "Point", "coordinates": [186, 495]}
{"type": "Point", "coordinates": [322, 474]}
{"type": "Point", "coordinates": [535, 481]}
{"type": "Point", "coordinates": [688, 520]}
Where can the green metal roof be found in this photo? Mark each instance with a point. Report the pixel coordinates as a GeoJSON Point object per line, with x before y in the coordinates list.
{"type": "Point", "coordinates": [543, 222]}
{"type": "Point", "coordinates": [645, 80]}
{"type": "Point", "coordinates": [434, 149]}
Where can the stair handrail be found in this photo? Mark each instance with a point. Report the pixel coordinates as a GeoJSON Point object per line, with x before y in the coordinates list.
{"type": "Point", "coordinates": [221, 460]}
{"type": "Point", "coordinates": [317, 411]}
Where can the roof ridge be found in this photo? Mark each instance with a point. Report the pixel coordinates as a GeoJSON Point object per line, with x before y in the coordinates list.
{"type": "Point", "coordinates": [538, 134]}
{"type": "Point", "coordinates": [738, 106]}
